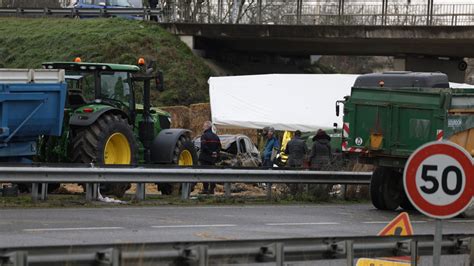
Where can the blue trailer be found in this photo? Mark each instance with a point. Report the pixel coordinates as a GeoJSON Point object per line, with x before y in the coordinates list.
{"type": "Point", "coordinates": [31, 105]}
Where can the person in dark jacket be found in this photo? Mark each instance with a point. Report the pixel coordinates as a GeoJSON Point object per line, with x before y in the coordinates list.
{"type": "Point", "coordinates": [320, 155]}
{"type": "Point", "coordinates": [296, 150]}
{"type": "Point", "coordinates": [209, 152]}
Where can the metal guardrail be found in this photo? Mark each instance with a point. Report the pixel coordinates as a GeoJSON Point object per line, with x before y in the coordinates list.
{"type": "Point", "coordinates": [232, 252]}
{"type": "Point", "coordinates": [93, 176]}
{"type": "Point", "coordinates": [278, 12]}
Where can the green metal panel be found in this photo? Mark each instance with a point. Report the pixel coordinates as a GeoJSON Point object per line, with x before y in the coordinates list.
{"type": "Point", "coordinates": [405, 118]}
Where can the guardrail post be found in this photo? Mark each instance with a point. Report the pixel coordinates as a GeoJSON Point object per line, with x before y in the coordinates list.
{"type": "Point", "coordinates": [203, 257]}
{"type": "Point", "coordinates": [44, 191]}
{"type": "Point", "coordinates": [90, 189]}
{"type": "Point", "coordinates": [279, 254]}
{"type": "Point", "coordinates": [34, 192]}
{"type": "Point", "coordinates": [349, 252]}
{"type": "Point", "coordinates": [269, 191]}
{"type": "Point", "coordinates": [95, 191]}
{"type": "Point", "coordinates": [17, 258]}
{"type": "Point", "coordinates": [185, 191]}
{"type": "Point", "coordinates": [194, 255]}
{"type": "Point", "coordinates": [472, 252]}
{"type": "Point", "coordinates": [109, 257]}
{"type": "Point", "coordinates": [140, 193]}
{"type": "Point", "coordinates": [273, 252]}
{"type": "Point", "coordinates": [227, 191]}
{"type": "Point", "coordinates": [413, 252]}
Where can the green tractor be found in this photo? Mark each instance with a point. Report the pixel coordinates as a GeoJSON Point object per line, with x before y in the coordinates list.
{"type": "Point", "coordinates": [105, 124]}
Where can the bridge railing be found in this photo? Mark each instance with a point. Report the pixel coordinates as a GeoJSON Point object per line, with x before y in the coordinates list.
{"type": "Point", "coordinates": [277, 12]}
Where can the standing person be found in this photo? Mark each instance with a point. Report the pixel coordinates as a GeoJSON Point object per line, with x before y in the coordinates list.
{"type": "Point", "coordinates": [320, 159]}
{"type": "Point", "coordinates": [320, 155]}
{"type": "Point", "coordinates": [296, 150]}
{"type": "Point", "coordinates": [209, 153]}
{"type": "Point", "coordinates": [271, 148]}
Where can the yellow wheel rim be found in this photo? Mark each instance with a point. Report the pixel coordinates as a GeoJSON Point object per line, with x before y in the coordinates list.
{"type": "Point", "coordinates": [185, 158]}
{"type": "Point", "coordinates": [117, 150]}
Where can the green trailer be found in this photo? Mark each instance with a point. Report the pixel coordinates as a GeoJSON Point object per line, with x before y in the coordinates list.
{"type": "Point", "coordinates": [389, 115]}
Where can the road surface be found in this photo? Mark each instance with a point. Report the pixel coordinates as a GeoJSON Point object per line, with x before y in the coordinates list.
{"type": "Point", "coordinates": [27, 227]}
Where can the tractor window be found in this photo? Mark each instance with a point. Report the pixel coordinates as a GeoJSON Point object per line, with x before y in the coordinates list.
{"type": "Point", "coordinates": [81, 84]}
{"type": "Point", "coordinates": [115, 86]}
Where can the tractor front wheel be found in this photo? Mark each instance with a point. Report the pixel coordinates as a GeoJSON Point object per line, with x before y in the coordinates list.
{"type": "Point", "coordinates": [184, 155]}
{"type": "Point", "coordinates": [109, 140]}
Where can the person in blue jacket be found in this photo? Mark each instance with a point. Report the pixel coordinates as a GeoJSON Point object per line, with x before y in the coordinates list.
{"type": "Point", "coordinates": [271, 148]}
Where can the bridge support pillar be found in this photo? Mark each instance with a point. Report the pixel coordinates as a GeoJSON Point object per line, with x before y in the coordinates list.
{"type": "Point", "coordinates": [455, 68]}
{"type": "Point", "coordinates": [188, 40]}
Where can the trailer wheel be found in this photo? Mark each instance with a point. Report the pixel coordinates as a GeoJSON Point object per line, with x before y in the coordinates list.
{"type": "Point", "coordinates": [109, 140]}
{"type": "Point", "coordinates": [386, 189]}
{"type": "Point", "coordinates": [184, 155]}
{"type": "Point", "coordinates": [376, 187]}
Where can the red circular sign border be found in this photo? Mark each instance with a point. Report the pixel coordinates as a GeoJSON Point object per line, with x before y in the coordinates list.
{"type": "Point", "coordinates": [409, 181]}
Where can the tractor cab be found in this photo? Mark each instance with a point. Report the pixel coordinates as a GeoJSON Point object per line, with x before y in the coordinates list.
{"type": "Point", "coordinates": [93, 86]}
{"type": "Point", "coordinates": [108, 84]}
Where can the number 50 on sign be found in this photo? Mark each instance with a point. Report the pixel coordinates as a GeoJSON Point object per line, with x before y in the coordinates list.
{"type": "Point", "coordinates": [439, 179]}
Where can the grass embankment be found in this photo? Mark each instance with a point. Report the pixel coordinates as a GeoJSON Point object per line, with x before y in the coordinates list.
{"type": "Point", "coordinates": [26, 43]}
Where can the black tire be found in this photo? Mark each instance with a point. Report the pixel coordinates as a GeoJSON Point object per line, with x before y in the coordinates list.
{"type": "Point", "coordinates": [386, 189]}
{"type": "Point", "coordinates": [182, 145]}
{"type": "Point", "coordinates": [405, 203]}
{"type": "Point", "coordinates": [88, 146]}
{"type": "Point", "coordinates": [376, 186]}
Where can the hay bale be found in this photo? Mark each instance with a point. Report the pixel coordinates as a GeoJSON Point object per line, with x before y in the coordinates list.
{"type": "Point", "coordinates": [200, 113]}
{"type": "Point", "coordinates": [194, 116]}
{"type": "Point", "coordinates": [180, 117]}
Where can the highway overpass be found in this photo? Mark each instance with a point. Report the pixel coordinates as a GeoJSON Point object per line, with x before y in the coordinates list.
{"type": "Point", "coordinates": [419, 48]}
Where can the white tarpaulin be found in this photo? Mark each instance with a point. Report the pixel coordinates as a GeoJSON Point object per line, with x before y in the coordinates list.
{"type": "Point", "coordinates": [284, 101]}
{"type": "Point", "coordinates": [303, 102]}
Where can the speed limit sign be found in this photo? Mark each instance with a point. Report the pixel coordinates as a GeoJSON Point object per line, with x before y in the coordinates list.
{"type": "Point", "coordinates": [439, 180]}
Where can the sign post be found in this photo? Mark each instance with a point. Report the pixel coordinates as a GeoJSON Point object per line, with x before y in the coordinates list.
{"type": "Point", "coordinates": [439, 182]}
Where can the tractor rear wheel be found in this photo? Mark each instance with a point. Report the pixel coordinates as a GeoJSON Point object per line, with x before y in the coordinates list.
{"type": "Point", "coordinates": [386, 189]}
{"type": "Point", "coordinates": [184, 155]}
{"type": "Point", "coordinates": [109, 140]}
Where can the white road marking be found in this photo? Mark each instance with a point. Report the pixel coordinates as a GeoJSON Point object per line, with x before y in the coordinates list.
{"type": "Point", "coordinates": [461, 221]}
{"type": "Point", "coordinates": [193, 225]}
{"type": "Point", "coordinates": [71, 229]}
{"type": "Point", "coordinates": [283, 224]}
{"type": "Point", "coordinates": [387, 222]}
